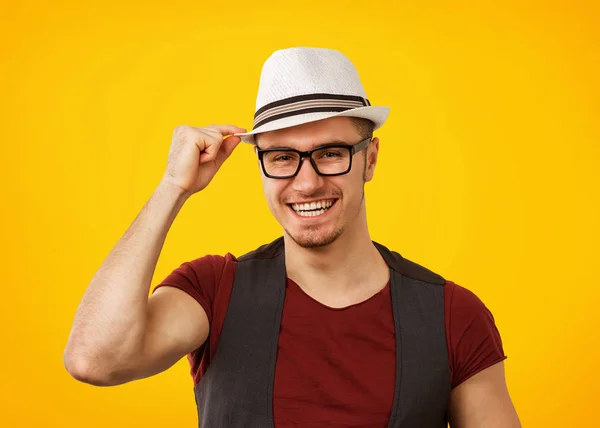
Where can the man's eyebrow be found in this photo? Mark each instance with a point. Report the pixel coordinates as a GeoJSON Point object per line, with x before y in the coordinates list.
{"type": "Point", "coordinates": [328, 144]}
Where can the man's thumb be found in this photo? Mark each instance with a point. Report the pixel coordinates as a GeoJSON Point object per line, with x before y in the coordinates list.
{"type": "Point", "coordinates": [229, 144]}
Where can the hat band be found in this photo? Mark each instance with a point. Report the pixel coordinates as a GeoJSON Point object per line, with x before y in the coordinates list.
{"type": "Point", "coordinates": [309, 103]}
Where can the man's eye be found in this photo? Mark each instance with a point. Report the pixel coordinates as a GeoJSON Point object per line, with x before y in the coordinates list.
{"type": "Point", "coordinates": [282, 158]}
{"type": "Point", "coordinates": [331, 154]}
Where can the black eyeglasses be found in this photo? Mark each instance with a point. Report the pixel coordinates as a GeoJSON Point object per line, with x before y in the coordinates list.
{"type": "Point", "coordinates": [329, 159]}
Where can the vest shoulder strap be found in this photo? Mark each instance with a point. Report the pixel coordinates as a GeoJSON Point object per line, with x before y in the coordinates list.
{"type": "Point", "coordinates": [408, 268]}
{"type": "Point", "coordinates": [266, 251]}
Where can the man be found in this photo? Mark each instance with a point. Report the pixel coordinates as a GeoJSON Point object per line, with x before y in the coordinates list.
{"type": "Point", "coordinates": [322, 327]}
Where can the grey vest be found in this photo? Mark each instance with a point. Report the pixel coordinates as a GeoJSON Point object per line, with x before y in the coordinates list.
{"type": "Point", "coordinates": [237, 389]}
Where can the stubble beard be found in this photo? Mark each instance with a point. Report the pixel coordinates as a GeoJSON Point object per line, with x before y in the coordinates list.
{"type": "Point", "coordinates": [314, 237]}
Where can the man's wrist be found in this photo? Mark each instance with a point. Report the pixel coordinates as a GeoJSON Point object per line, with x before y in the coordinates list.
{"type": "Point", "coordinates": [168, 187]}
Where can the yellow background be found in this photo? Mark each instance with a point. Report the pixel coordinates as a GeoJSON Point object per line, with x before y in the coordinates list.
{"type": "Point", "coordinates": [487, 173]}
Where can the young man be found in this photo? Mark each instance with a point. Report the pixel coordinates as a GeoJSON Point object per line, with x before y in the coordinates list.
{"type": "Point", "coordinates": [321, 327]}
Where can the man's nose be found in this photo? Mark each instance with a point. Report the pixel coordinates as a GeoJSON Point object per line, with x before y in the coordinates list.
{"type": "Point", "coordinates": [307, 180]}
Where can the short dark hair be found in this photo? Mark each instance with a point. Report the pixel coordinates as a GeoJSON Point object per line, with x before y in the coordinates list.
{"type": "Point", "coordinates": [363, 126]}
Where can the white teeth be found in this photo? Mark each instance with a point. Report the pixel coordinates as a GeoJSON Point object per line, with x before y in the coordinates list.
{"type": "Point", "coordinates": [311, 213]}
{"type": "Point", "coordinates": [324, 204]}
{"type": "Point", "coordinates": [312, 209]}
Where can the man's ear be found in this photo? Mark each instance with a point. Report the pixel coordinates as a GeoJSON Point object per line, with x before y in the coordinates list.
{"type": "Point", "coordinates": [371, 154]}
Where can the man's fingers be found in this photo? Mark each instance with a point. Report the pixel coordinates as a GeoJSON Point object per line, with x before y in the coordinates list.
{"type": "Point", "coordinates": [220, 134]}
{"type": "Point", "coordinates": [229, 144]}
{"type": "Point", "coordinates": [210, 152]}
{"type": "Point", "coordinates": [227, 129]}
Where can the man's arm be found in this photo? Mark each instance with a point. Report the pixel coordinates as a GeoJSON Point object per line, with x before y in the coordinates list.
{"type": "Point", "coordinates": [483, 401]}
{"type": "Point", "coordinates": [118, 330]}
{"type": "Point", "coordinates": [119, 334]}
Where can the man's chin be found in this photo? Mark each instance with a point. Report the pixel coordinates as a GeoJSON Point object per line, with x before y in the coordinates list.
{"type": "Point", "coordinates": [314, 239]}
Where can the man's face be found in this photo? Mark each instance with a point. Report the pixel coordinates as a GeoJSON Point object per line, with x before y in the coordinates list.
{"type": "Point", "coordinates": [341, 196]}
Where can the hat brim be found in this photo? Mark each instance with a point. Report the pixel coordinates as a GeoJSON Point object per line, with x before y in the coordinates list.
{"type": "Point", "coordinates": [376, 114]}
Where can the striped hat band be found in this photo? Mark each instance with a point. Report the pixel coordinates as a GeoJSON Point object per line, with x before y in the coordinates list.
{"type": "Point", "coordinates": [309, 103]}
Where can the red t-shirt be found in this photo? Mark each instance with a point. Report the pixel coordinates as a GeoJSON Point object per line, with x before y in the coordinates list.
{"type": "Point", "coordinates": [337, 366]}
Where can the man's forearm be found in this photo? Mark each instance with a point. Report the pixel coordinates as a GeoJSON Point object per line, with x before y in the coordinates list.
{"type": "Point", "coordinates": [110, 322]}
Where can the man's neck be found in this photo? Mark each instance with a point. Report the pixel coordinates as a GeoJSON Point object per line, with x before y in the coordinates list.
{"type": "Point", "coordinates": [350, 266]}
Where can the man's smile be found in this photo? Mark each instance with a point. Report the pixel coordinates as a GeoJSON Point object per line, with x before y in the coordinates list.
{"type": "Point", "coordinates": [312, 209]}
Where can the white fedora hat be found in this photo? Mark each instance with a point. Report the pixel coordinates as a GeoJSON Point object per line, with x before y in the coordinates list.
{"type": "Point", "coordinates": [300, 85]}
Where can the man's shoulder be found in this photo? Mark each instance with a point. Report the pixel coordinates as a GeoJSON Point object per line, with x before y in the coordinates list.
{"type": "Point", "coordinates": [265, 251]}
{"type": "Point", "coordinates": [218, 262]}
{"type": "Point", "coordinates": [408, 268]}
{"type": "Point", "coordinates": [465, 301]}
{"type": "Point", "coordinates": [215, 262]}
{"type": "Point", "coordinates": [418, 272]}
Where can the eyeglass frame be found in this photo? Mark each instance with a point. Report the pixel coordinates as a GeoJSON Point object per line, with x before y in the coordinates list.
{"type": "Point", "coordinates": [353, 148]}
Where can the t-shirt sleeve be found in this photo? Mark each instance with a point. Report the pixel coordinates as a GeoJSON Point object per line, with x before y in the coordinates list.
{"type": "Point", "coordinates": [474, 340]}
{"type": "Point", "coordinates": [199, 278]}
